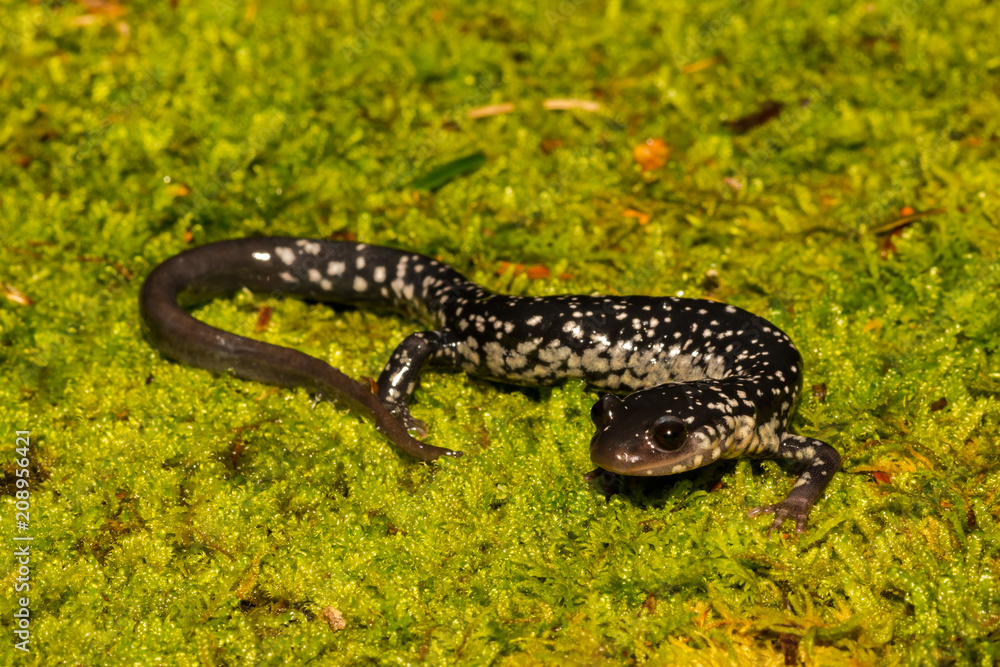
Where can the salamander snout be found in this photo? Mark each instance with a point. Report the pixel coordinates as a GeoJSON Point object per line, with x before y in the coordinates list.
{"type": "Point", "coordinates": [644, 434]}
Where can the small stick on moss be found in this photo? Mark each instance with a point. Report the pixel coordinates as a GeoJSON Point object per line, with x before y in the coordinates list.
{"type": "Point", "coordinates": [490, 110]}
{"type": "Point", "coordinates": [565, 104]}
{"type": "Point", "coordinates": [904, 220]}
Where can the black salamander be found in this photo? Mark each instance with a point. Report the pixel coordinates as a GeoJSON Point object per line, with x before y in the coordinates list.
{"type": "Point", "coordinates": [699, 380]}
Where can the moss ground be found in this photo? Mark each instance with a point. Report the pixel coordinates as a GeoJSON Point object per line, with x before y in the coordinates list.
{"type": "Point", "coordinates": [183, 518]}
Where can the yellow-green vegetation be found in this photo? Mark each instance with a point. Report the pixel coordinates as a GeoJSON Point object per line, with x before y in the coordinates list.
{"type": "Point", "coordinates": [183, 518]}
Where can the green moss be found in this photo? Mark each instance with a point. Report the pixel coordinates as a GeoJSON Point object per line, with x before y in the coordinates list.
{"type": "Point", "coordinates": [184, 518]}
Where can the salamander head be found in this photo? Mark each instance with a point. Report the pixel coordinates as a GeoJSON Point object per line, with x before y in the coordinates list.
{"type": "Point", "coordinates": [652, 432]}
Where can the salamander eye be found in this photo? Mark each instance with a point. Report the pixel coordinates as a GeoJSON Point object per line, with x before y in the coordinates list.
{"type": "Point", "coordinates": [607, 408]}
{"type": "Point", "coordinates": [668, 432]}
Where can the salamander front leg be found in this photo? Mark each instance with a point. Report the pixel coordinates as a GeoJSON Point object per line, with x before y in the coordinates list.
{"type": "Point", "coordinates": [819, 461]}
{"type": "Point", "coordinates": [399, 379]}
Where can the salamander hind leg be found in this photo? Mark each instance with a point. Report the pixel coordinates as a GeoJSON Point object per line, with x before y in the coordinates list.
{"type": "Point", "coordinates": [818, 463]}
{"type": "Point", "coordinates": [399, 379]}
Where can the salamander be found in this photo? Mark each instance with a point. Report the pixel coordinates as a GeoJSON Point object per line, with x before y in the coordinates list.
{"type": "Point", "coordinates": [687, 381]}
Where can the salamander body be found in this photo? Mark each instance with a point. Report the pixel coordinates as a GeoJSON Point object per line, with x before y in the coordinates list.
{"type": "Point", "coordinates": [688, 381]}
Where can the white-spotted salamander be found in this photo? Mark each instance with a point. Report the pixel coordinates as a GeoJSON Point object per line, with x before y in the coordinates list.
{"type": "Point", "coordinates": [699, 380]}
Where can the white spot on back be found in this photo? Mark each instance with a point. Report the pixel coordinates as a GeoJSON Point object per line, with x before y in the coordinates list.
{"type": "Point", "coordinates": [310, 247]}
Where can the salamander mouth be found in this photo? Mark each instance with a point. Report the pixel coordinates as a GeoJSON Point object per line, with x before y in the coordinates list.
{"type": "Point", "coordinates": [638, 458]}
{"type": "Point", "coordinates": [620, 462]}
